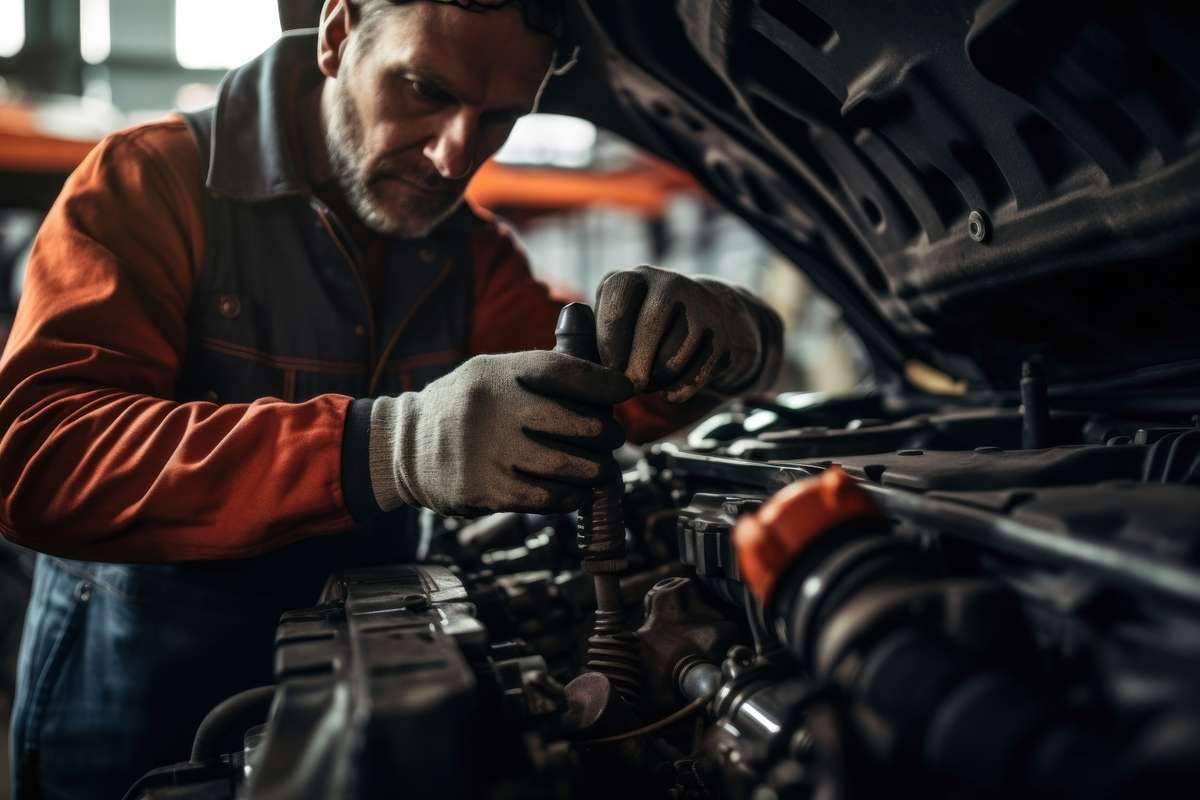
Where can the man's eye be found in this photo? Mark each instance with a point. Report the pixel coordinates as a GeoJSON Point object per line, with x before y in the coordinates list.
{"type": "Point", "coordinates": [428, 92]}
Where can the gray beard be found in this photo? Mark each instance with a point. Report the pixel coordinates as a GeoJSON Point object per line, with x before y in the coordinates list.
{"type": "Point", "coordinates": [344, 143]}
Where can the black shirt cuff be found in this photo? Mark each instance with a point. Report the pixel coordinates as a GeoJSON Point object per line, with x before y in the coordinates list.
{"type": "Point", "coordinates": [356, 470]}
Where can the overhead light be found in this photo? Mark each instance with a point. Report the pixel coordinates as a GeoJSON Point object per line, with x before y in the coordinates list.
{"type": "Point", "coordinates": [95, 40]}
{"type": "Point", "coordinates": [206, 39]}
{"type": "Point", "coordinates": [12, 32]}
{"type": "Point", "coordinates": [551, 140]}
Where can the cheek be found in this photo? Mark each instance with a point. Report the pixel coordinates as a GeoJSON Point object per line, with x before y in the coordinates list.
{"type": "Point", "coordinates": [389, 105]}
{"type": "Point", "coordinates": [392, 127]}
{"type": "Point", "coordinates": [375, 114]}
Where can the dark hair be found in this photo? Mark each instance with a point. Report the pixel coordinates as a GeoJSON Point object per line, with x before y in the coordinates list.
{"type": "Point", "coordinates": [541, 16]}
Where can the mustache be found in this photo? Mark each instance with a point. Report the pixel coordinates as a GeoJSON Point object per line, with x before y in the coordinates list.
{"type": "Point", "coordinates": [422, 178]}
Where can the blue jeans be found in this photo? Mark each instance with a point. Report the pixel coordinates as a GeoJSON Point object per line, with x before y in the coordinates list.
{"type": "Point", "coordinates": [120, 663]}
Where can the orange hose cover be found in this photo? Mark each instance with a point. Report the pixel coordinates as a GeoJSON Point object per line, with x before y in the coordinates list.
{"type": "Point", "coordinates": [769, 541]}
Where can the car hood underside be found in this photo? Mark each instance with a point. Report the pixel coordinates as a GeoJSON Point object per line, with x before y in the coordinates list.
{"type": "Point", "coordinates": [975, 183]}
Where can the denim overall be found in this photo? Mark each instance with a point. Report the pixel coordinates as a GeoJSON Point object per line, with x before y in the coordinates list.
{"type": "Point", "coordinates": [119, 663]}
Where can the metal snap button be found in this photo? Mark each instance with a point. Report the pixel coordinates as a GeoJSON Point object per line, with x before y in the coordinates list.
{"type": "Point", "coordinates": [84, 592]}
{"type": "Point", "coordinates": [211, 396]}
{"type": "Point", "coordinates": [229, 305]}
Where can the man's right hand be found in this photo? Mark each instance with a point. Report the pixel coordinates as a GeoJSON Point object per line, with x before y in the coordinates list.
{"type": "Point", "coordinates": [528, 431]}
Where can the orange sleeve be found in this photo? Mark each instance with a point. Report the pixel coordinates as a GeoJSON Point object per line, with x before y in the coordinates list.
{"type": "Point", "coordinates": [96, 460]}
{"type": "Point", "coordinates": [513, 312]}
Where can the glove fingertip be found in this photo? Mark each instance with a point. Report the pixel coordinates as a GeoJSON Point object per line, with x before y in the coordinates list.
{"type": "Point", "coordinates": [680, 394]}
{"type": "Point", "coordinates": [618, 304]}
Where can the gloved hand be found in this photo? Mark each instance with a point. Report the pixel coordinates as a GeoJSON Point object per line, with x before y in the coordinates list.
{"type": "Point", "coordinates": [526, 431]}
{"type": "Point", "coordinates": [668, 331]}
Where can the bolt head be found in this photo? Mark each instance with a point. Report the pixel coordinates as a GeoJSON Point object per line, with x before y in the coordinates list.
{"type": "Point", "coordinates": [977, 226]}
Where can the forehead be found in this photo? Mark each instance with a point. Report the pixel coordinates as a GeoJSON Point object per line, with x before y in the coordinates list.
{"type": "Point", "coordinates": [484, 58]}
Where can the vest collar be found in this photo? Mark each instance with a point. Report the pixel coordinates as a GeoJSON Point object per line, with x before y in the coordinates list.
{"type": "Point", "coordinates": [251, 155]}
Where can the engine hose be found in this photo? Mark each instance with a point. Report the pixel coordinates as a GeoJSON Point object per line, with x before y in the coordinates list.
{"type": "Point", "coordinates": [613, 651]}
{"type": "Point", "coordinates": [222, 729]}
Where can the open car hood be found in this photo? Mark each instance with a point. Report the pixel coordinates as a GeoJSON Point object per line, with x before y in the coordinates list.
{"type": "Point", "coordinates": [974, 183]}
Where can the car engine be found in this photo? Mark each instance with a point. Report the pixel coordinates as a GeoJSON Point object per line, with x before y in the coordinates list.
{"type": "Point", "coordinates": [1016, 616]}
{"type": "Point", "coordinates": [979, 577]}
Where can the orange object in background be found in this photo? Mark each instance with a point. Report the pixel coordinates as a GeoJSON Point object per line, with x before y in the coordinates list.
{"type": "Point", "coordinates": [790, 521]}
{"type": "Point", "coordinates": [24, 147]}
{"type": "Point", "coordinates": [643, 189]}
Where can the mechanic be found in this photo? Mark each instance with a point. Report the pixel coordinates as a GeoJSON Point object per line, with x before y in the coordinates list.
{"type": "Point", "coordinates": [180, 436]}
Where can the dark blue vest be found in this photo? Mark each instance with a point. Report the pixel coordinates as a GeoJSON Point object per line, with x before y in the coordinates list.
{"type": "Point", "coordinates": [280, 311]}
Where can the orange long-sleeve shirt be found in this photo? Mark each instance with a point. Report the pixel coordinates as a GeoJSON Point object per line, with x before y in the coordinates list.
{"type": "Point", "coordinates": [97, 461]}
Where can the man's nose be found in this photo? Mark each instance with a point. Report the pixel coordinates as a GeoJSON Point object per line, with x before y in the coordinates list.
{"type": "Point", "coordinates": [452, 148]}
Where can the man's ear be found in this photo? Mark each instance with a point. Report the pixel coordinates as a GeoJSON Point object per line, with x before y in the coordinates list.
{"type": "Point", "coordinates": [336, 22]}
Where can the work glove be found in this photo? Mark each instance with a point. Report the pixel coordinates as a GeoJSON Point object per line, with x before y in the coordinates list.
{"type": "Point", "coordinates": [526, 431]}
{"type": "Point", "coordinates": [679, 334]}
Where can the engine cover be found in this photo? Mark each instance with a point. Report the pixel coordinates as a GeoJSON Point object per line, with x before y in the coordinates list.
{"type": "Point", "coordinates": [374, 690]}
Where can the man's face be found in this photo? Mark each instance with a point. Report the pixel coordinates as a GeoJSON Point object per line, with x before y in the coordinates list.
{"type": "Point", "coordinates": [431, 96]}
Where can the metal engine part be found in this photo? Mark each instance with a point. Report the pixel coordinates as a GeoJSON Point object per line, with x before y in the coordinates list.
{"type": "Point", "coordinates": [1003, 629]}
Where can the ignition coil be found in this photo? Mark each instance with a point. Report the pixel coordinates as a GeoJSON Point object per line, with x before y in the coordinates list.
{"type": "Point", "coordinates": [612, 648]}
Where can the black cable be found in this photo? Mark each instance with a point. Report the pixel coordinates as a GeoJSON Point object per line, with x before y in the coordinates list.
{"type": "Point", "coordinates": [1174, 451]}
{"type": "Point", "coordinates": [1193, 470]}
{"type": "Point", "coordinates": [1148, 462]}
{"type": "Point", "coordinates": [1159, 469]}
{"type": "Point", "coordinates": [232, 716]}
{"type": "Point", "coordinates": [1156, 402]}
{"type": "Point", "coordinates": [757, 631]}
{"type": "Point", "coordinates": [1133, 379]}
{"type": "Point", "coordinates": [686, 711]}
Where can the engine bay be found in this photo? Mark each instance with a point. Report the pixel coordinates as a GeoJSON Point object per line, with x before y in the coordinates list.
{"type": "Point", "coordinates": [1019, 619]}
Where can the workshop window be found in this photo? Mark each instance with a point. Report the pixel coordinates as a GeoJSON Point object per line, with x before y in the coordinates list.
{"type": "Point", "coordinates": [205, 39]}
{"type": "Point", "coordinates": [12, 32]}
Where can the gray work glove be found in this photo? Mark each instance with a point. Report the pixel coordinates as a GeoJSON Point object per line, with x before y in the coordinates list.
{"type": "Point", "coordinates": [667, 331]}
{"type": "Point", "coordinates": [515, 432]}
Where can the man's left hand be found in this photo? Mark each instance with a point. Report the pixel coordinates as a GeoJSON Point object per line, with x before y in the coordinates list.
{"type": "Point", "coordinates": [669, 332]}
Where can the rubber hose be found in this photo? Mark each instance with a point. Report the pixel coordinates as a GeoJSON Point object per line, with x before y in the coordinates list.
{"type": "Point", "coordinates": [229, 718]}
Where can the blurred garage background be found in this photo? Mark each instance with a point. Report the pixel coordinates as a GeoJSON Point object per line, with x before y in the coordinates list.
{"type": "Point", "coordinates": [582, 201]}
